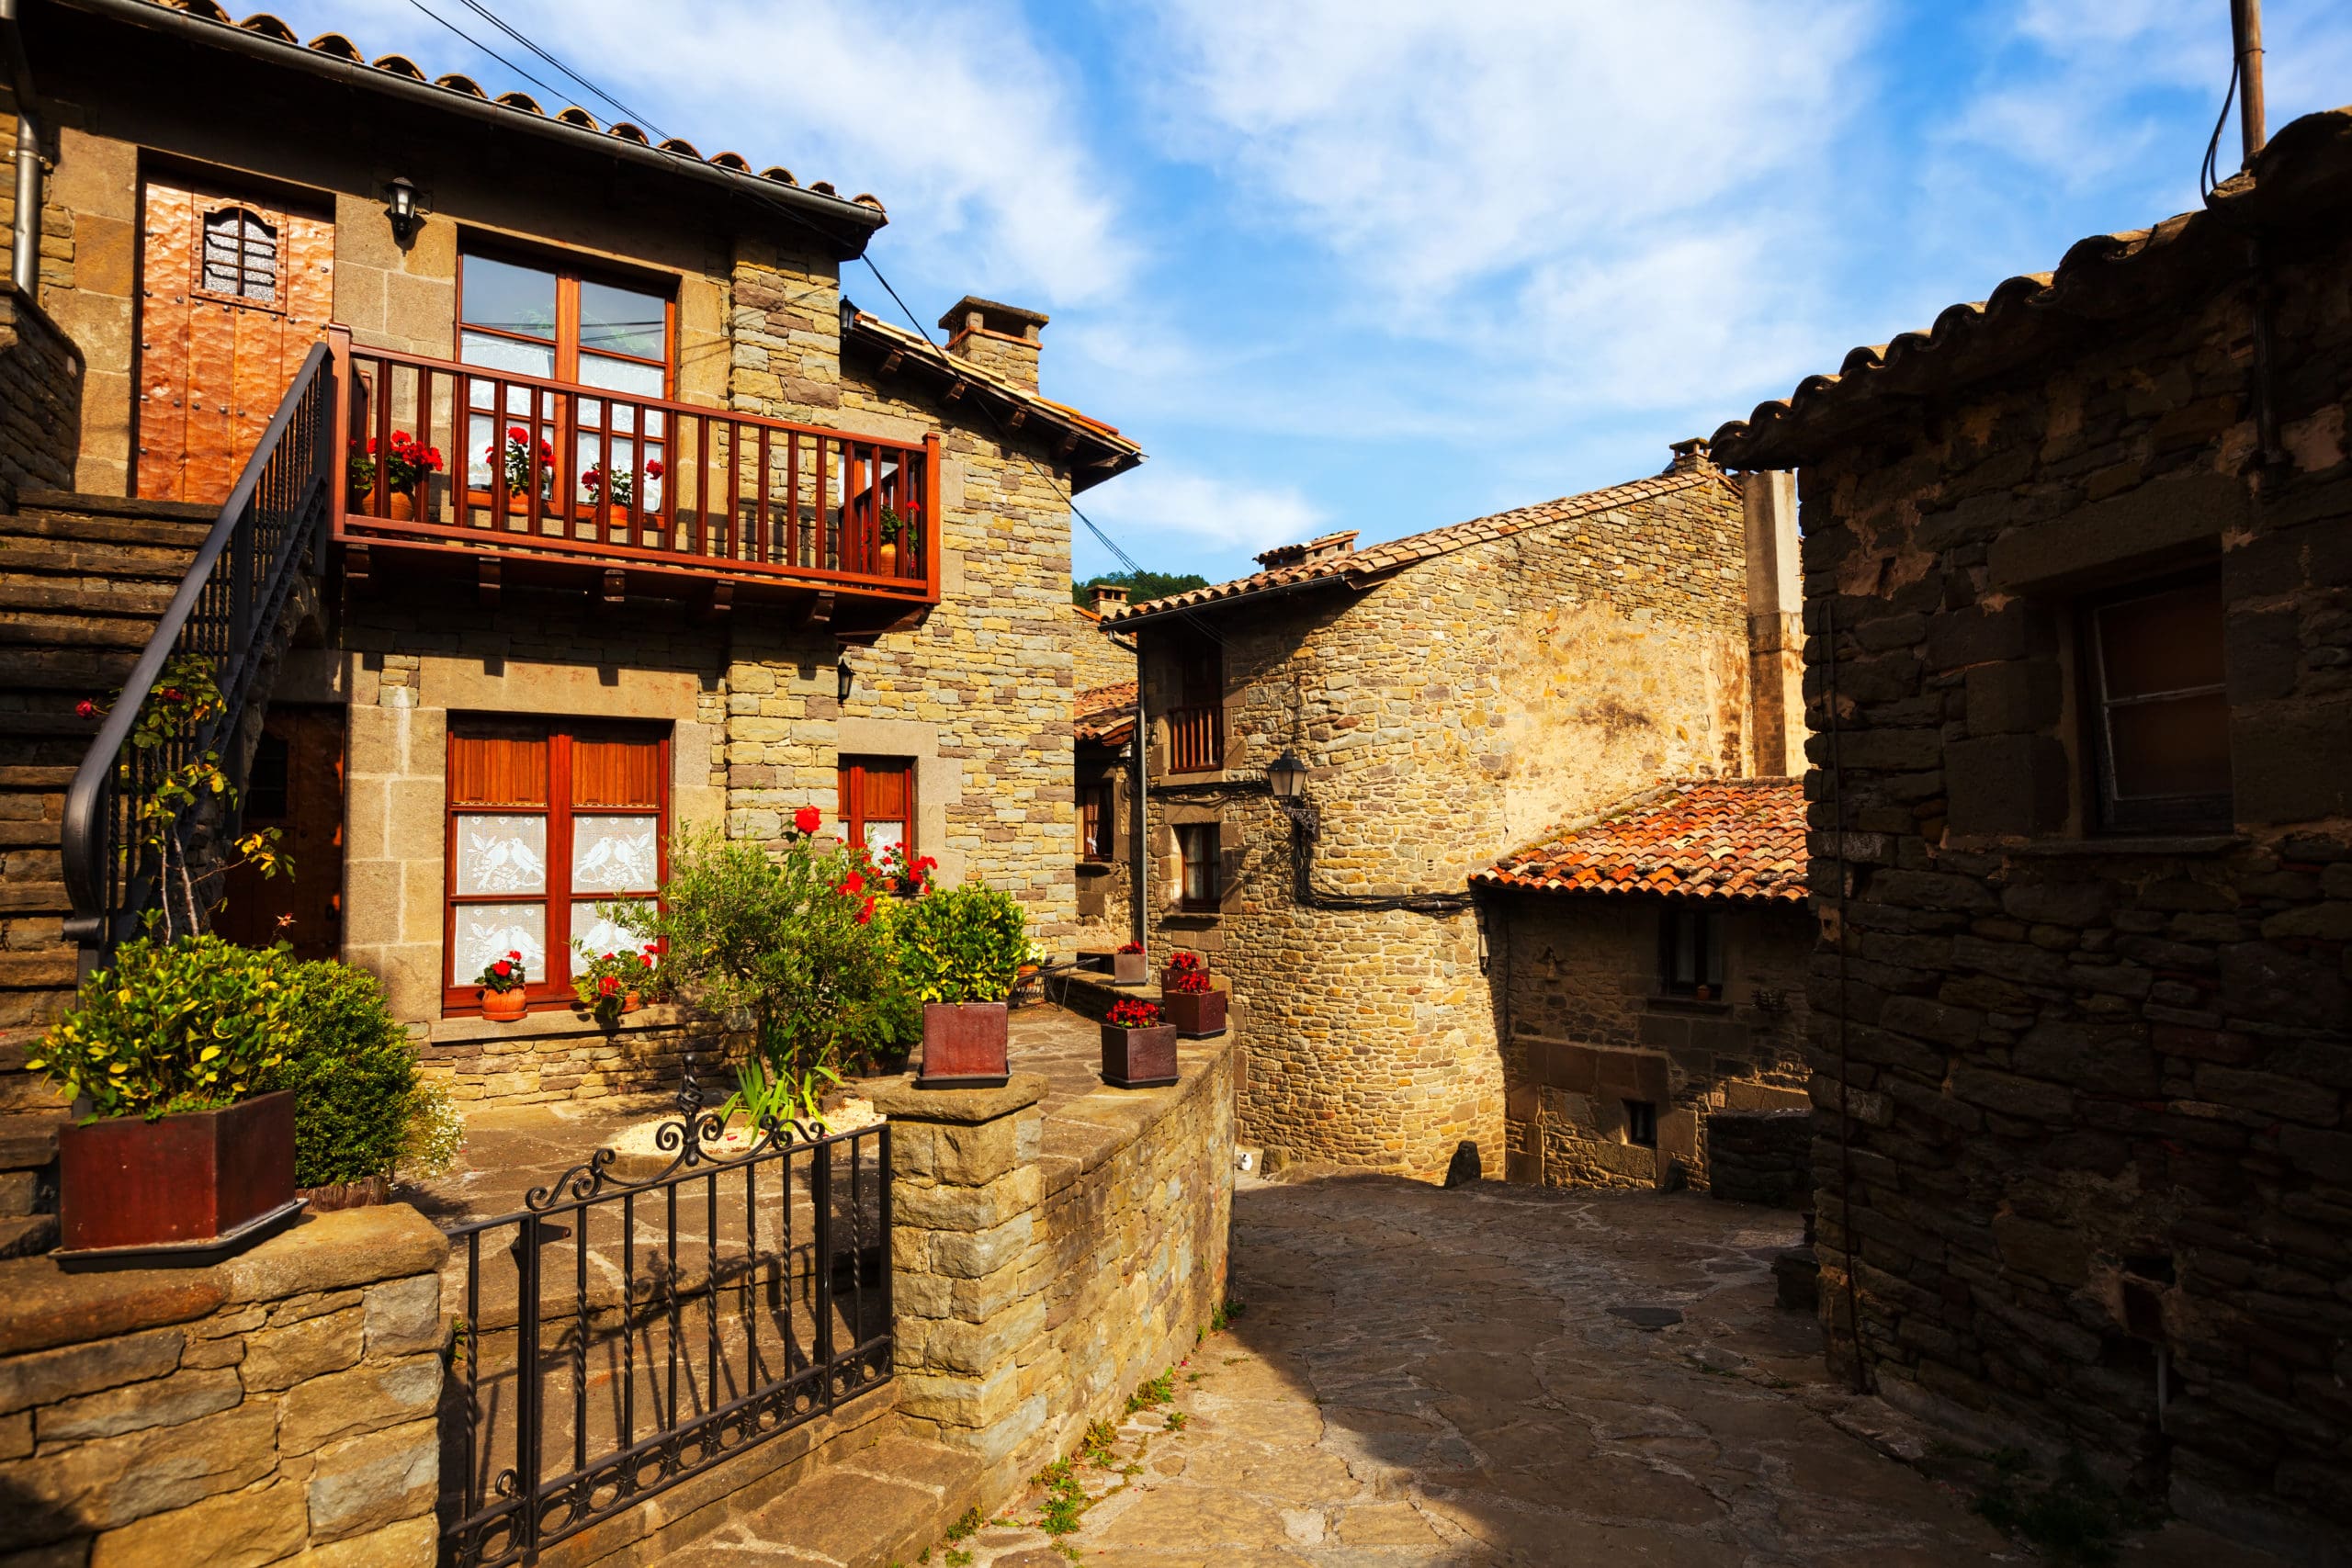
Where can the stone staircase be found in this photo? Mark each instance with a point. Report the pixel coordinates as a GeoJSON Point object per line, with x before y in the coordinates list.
{"type": "Point", "coordinates": [889, 1504]}
{"type": "Point", "coordinates": [82, 581]}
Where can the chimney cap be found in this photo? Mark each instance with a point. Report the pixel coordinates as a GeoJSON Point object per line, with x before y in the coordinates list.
{"type": "Point", "coordinates": [1106, 594]}
{"type": "Point", "coordinates": [1689, 455]}
{"type": "Point", "coordinates": [1012, 320]}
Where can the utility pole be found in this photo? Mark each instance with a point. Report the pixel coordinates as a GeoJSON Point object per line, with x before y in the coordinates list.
{"type": "Point", "coordinates": [2246, 41]}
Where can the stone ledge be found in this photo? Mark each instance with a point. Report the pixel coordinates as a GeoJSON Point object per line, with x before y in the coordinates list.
{"type": "Point", "coordinates": [899, 1098]}
{"type": "Point", "coordinates": [555, 1025]}
{"type": "Point", "coordinates": [334, 1252]}
{"type": "Point", "coordinates": [42, 1306]}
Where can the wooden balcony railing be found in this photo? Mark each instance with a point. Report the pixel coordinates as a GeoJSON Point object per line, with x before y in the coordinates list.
{"type": "Point", "coordinates": [659, 490]}
{"type": "Point", "coordinates": [1195, 739]}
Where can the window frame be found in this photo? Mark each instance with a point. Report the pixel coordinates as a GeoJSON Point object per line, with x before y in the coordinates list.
{"type": "Point", "coordinates": [1099, 796]}
{"type": "Point", "coordinates": [1185, 899]}
{"type": "Point", "coordinates": [250, 216]}
{"type": "Point", "coordinates": [854, 766]}
{"type": "Point", "coordinates": [571, 271]}
{"type": "Point", "coordinates": [1641, 1117]}
{"type": "Point", "coordinates": [2111, 812]}
{"type": "Point", "coordinates": [1711, 943]}
{"type": "Point", "coordinates": [553, 985]}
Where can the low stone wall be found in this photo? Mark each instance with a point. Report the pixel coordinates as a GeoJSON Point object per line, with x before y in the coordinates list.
{"type": "Point", "coordinates": [1038, 1279]}
{"type": "Point", "coordinates": [1761, 1156]}
{"type": "Point", "coordinates": [278, 1405]}
{"type": "Point", "coordinates": [40, 400]}
{"type": "Point", "coordinates": [563, 1055]}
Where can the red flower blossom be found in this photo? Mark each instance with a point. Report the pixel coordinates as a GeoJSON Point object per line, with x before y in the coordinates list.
{"type": "Point", "coordinates": [174, 695]}
{"type": "Point", "coordinates": [607, 985]}
{"type": "Point", "coordinates": [854, 883]}
{"type": "Point", "coordinates": [808, 820]}
{"type": "Point", "coordinates": [85, 708]}
{"type": "Point", "coordinates": [501, 968]}
{"type": "Point", "coordinates": [865, 914]}
{"type": "Point", "coordinates": [654, 469]}
{"type": "Point", "coordinates": [515, 953]}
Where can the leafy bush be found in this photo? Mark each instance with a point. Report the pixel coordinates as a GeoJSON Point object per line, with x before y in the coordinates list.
{"type": "Point", "coordinates": [353, 1071]}
{"type": "Point", "coordinates": [191, 1024]}
{"type": "Point", "coordinates": [963, 944]}
{"type": "Point", "coordinates": [792, 941]}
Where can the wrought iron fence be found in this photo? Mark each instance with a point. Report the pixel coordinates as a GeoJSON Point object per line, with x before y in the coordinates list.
{"type": "Point", "coordinates": [619, 1336]}
{"type": "Point", "coordinates": [225, 617]}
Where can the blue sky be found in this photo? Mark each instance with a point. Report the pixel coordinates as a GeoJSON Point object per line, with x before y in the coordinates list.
{"type": "Point", "coordinates": [1385, 266]}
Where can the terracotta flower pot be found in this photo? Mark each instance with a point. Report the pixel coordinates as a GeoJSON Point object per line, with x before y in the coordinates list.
{"type": "Point", "coordinates": [403, 507]}
{"type": "Point", "coordinates": [886, 559]}
{"type": "Point", "coordinates": [1198, 1015]}
{"type": "Point", "coordinates": [1139, 1058]}
{"type": "Point", "coordinates": [1126, 969]}
{"type": "Point", "coordinates": [631, 1001]}
{"type": "Point", "coordinates": [188, 1189]}
{"type": "Point", "coordinates": [963, 1046]}
{"type": "Point", "coordinates": [503, 1006]}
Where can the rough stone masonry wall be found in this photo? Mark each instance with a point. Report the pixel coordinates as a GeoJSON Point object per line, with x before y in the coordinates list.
{"type": "Point", "coordinates": [40, 400]}
{"type": "Point", "coordinates": [982, 688]}
{"type": "Point", "coordinates": [1761, 1156]}
{"type": "Point", "coordinates": [2095, 1092]}
{"type": "Point", "coordinates": [1576, 978]}
{"type": "Point", "coordinates": [1451, 713]}
{"type": "Point", "coordinates": [281, 1404]}
{"type": "Point", "coordinates": [1047, 1260]}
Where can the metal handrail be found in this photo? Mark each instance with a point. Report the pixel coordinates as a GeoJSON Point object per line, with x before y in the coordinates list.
{"type": "Point", "coordinates": [226, 610]}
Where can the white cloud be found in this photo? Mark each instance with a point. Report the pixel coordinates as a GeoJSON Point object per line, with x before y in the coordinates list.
{"type": "Point", "coordinates": [1173, 508]}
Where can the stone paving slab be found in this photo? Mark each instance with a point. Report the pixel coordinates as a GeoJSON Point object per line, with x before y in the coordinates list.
{"type": "Point", "coordinates": [1430, 1377]}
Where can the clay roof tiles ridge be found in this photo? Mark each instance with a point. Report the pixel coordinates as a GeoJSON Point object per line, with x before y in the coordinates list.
{"type": "Point", "coordinates": [1726, 839]}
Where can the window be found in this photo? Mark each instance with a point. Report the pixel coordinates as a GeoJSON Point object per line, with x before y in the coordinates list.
{"type": "Point", "coordinates": [1197, 724]}
{"type": "Point", "coordinates": [2160, 735]}
{"type": "Point", "coordinates": [1197, 841]}
{"type": "Point", "coordinates": [1690, 951]}
{"type": "Point", "coordinates": [531, 319]}
{"type": "Point", "coordinates": [1641, 1122]}
{"type": "Point", "coordinates": [546, 820]}
{"type": "Point", "coordinates": [1097, 822]}
{"type": "Point", "coordinates": [240, 258]}
{"type": "Point", "coordinates": [877, 803]}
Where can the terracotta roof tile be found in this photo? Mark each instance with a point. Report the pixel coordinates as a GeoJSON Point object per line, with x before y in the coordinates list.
{"type": "Point", "coordinates": [1106, 714]}
{"type": "Point", "coordinates": [1697, 839]}
{"type": "Point", "coordinates": [1356, 567]}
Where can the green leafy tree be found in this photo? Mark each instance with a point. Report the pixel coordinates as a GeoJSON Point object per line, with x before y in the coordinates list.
{"type": "Point", "coordinates": [963, 944]}
{"type": "Point", "coordinates": [791, 940]}
{"type": "Point", "coordinates": [1140, 584]}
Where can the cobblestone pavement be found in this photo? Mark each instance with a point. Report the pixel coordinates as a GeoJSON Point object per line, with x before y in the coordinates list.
{"type": "Point", "coordinates": [1508, 1375]}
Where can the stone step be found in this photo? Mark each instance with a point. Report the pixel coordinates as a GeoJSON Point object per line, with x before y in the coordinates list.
{"type": "Point", "coordinates": [138, 507]}
{"type": "Point", "coordinates": [147, 599]}
{"type": "Point", "coordinates": [87, 671]}
{"type": "Point", "coordinates": [33, 899]}
{"type": "Point", "coordinates": [885, 1505]}
{"type": "Point", "coordinates": [36, 630]}
{"type": "Point", "coordinates": [74, 558]}
{"type": "Point", "coordinates": [45, 524]}
{"type": "Point", "coordinates": [36, 777]}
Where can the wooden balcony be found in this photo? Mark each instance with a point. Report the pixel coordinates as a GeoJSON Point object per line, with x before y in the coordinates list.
{"type": "Point", "coordinates": [1195, 739]}
{"type": "Point", "coordinates": [628, 496]}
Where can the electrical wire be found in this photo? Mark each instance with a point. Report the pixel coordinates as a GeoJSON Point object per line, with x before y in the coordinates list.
{"type": "Point", "coordinates": [2208, 177]}
{"type": "Point", "coordinates": [487, 14]}
{"type": "Point", "coordinates": [533, 81]}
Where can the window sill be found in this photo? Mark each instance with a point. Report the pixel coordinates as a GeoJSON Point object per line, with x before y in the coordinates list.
{"type": "Point", "coordinates": [1191, 919]}
{"type": "Point", "coordinates": [2133, 844]}
{"type": "Point", "coordinates": [1689, 1005]}
{"type": "Point", "coordinates": [552, 1020]}
{"type": "Point", "coordinates": [1085, 865]}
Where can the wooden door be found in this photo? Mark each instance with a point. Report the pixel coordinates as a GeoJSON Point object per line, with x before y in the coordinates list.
{"type": "Point", "coordinates": [233, 290]}
{"type": "Point", "coordinates": [296, 786]}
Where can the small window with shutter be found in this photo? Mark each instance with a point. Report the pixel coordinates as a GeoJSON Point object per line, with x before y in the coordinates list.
{"type": "Point", "coordinates": [240, 259]}
{"type": "Point", "coordinates": [877, 803]}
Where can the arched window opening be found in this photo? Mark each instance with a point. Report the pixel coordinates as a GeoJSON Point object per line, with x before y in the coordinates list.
{"type": "Point", "coordinates": [240, 256]}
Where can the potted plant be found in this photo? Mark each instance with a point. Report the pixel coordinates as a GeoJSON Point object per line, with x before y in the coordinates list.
{"type": "Point", "coordinates": [615, 984]}
{"type": "Point", "coordinates": [615, 495]}
{"type": "Point", "coordinates": [907, 878]}
{"type": "Point", "coordinates": [181, 1154]}
{"type": "Point", "coordinates": [1139, 1048]}
{"type": "Point", "coordinates": [896, 520]}
{"type": "Point", "coordinates": [1183, 961]}
{"type": "Point", "coordinates": [501, 990]}
{"type": "Point", "coordinates": [526, 471]}
{"type": "Point", "coordinates": [405, 467]}
{"type": "Point", "coordinates": [1195, 1007]}
{"type": "Point", "coordinates": [1126, 966]}
{"type": "Point", "coordinates": [962, 948]}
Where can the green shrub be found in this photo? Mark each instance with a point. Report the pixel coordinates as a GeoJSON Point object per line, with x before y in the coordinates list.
{"type": "Point", "coordinates": [963, 944]}
{"type": "Point", "coordinates": [191, 1024]}
{"type": "Point", "coordinates": [353, 1071]}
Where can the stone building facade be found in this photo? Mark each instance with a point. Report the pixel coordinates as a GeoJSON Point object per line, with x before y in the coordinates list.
{"type": "Point", "coordinates": [2078, 599]}
{"type": "Point", "coordinates": [1454, 695]}
{"type": "Point", "coordinates": [963, 695]}
{"type": "Point", "coordinates": [1649, 970]}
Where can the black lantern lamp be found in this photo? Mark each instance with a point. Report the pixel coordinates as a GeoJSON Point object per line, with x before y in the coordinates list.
{"type": "Point", "coordinates": [844, 678]}
{"type": "Point", "coordinates": [403, 207]}
{"type": "Point", "coordinates": [1286, 778]}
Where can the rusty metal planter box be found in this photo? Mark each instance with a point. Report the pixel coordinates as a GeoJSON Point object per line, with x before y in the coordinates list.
{"type": "Point", "coordinates": [1198, 1015]}
{"type": "Point", "coordinates": [1127, 969]}
{"type": "Point", "coordinates": [1139, 1058]}
{"type": "Point", "coordinates": [963, 1046]}
{"type": "Point", "coordinates": [188, 1189]}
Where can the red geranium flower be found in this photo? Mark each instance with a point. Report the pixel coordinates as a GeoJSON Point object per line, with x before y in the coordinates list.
{"type": "Point", "coordinates": [865, 914]}
{"type": "Point", "coordinates": [85, 708]}
{"type": "Point", "coordinates": [607, 985]}
{"type": "Point", "coordinates": [808, 820]}
{"type": "Point", "coordinates": [501, 968]}
{"type": "Point", "coordinates": [853, 883]}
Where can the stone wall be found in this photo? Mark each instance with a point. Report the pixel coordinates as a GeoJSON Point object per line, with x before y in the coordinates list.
{"type": "Point", "coordinates": [281, 1404]}
{"type": "Point", "coordinates": [2089, 1093]}
{"type": "Point", "coordinates": [1039, 1280]}
{"type": "Point", "coordinates": [1451, 713]}
{"type": "Point", "coordinates": [40, 400]}
{"type": "Point", "coordinates": [1761, 1156]}
{"type": "Point", "coordinates": [1575, 980]}
{"type": "Point", "coordinates": [1095, 660]}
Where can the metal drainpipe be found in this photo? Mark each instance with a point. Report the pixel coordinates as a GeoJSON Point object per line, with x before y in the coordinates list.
{"type": "Point", "coordinates": [24, 239]}
{"type": "Point", "coordinates": [1138, 891]}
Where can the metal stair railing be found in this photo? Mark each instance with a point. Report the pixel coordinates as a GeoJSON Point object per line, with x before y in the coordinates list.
{"type": "Point", "coordinates": [225, 614]}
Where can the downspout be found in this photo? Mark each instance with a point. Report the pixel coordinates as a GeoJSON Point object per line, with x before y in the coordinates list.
{"type": "Point", "coordinates": [1139, 749]}
{"type": "Point", "coordinates": [24, 236]}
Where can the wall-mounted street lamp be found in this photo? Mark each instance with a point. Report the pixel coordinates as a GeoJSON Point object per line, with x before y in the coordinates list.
{"type": "Point", "coordinates": [844, 678]}
{"type": "Point", "coordinates": [404, 210]}
{"type": "Point", "coordinates": [1286, 779]}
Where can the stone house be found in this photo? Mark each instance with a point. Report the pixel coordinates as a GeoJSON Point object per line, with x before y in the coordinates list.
{"type": "Point", "coordinates": [2078, 600]}
{"type": "Point", "coordinates": [1102, 764]}
{"type": "Point", "coordinates": [773, 551]}
{"type": "Point", "coordinates": [1454, 695]}
{"type": "Point", "coordinates": [1648, 968]}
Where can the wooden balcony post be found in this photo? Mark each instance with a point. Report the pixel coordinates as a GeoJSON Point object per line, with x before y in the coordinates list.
{"type": "Point", "coordinates": [934, 522]}
{"type": "Point", "coordinates": [339, 354]}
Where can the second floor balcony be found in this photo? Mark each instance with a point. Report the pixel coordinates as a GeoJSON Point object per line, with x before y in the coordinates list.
{"type": "Point", "coordinates": [506, 477]}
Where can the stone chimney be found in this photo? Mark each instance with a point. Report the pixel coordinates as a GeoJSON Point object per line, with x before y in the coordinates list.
{"type": "Point", "coordinates": [1690, 456]}
{"type": "Point", "coordinates": [1775, 623]}
{"type": "Point", "coordinates": [1106, 596]}
{"type": "Point", "coordinates": [999, 338]}
{"type": "Point", "coordinates": [1329, 545]}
